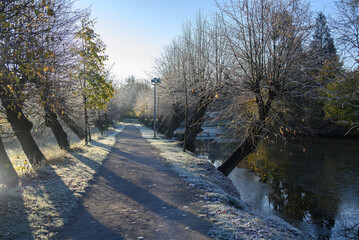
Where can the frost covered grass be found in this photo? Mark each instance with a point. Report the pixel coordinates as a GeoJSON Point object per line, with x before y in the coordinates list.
{"type": "Point", "coordinates": [46, 198]}
{"type": "Point", "coordinates": [221, 204]}
{"type": "Point", "coordinates": [46, 141]}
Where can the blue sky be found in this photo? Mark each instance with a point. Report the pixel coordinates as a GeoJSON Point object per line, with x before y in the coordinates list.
{"type": "Point", "coordinates": [135, 31]}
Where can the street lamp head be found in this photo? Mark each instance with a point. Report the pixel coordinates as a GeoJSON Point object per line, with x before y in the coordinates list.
{"type": "Point", "coordinates": [156, 80]}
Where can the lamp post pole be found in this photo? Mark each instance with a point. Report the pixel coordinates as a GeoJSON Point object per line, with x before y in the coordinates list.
{"type": "Point", "coordinates": [154, 112]}
{"type": "Point", "coordinates": [154, 82]}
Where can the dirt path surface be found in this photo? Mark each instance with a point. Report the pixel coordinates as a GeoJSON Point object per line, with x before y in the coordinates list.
{"type": "Point", "coordinates": [136, 195]}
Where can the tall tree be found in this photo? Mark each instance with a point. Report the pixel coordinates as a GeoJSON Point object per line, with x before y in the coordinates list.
{"type": "Point", "coordinates": [56, 60]}
{"type": "Point", "coordinates": [206, 72]}
{"type": "Point", "coordinates": [264, 39]}
{"type": "Point", "coordinates": [96, 90]}
{"type": "Point", "coordinates": [20, 54]}
{"type": "Point", "coordinates": [171, 69]}
{"type": "Point", "coordinates": [192, 70]}
{"type": "Point", "coordinates": [322, 48]}
{"type": "Point", "coordinates": [322, 59]}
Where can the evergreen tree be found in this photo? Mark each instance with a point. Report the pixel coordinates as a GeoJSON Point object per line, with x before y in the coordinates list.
{"type": "Point", "coordinates": [324, 67]}
{"type": "Point", "coordinates": [322, 48]}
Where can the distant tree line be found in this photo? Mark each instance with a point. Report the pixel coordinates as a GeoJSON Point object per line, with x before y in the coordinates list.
{"type": "Point", "coordinates": [52, 70]}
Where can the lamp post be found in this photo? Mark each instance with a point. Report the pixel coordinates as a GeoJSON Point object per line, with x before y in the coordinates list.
{"type": "Point", "coordinates": [154, 82]}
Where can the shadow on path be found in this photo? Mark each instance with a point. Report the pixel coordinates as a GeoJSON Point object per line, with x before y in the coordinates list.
{"type": "Point", "coordinates": [98, 144]}
{"type": "Point", "coordinates": [14, 222]}
{"type": "Point", "coordinates": [64, 202]}
{"type": "Point", "coordinates": [136, 195]}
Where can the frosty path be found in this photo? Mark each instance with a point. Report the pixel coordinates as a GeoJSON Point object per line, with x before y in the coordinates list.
{"type": "Point", "coordinates": [137, 196]}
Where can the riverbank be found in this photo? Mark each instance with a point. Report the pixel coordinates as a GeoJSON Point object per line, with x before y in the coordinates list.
{"type": "Point", "coordinates": [46, 199]}
{"type": "Point", "coordinates": [232, 218]}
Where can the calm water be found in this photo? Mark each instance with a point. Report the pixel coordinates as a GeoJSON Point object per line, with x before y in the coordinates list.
{"type": "Point", "coordinates": [313, 184]}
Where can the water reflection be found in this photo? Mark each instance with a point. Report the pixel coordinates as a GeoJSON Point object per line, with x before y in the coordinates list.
{"type": "Point", "coordinates": [310, 183]}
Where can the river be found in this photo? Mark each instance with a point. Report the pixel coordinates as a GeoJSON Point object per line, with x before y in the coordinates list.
{"type": "Point", "coordinates": [311, 183]}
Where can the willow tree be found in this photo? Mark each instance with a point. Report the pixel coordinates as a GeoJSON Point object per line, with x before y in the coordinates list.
{"type": "Point", "coordinates": [171, 69]}
{"type": "Point", "coordinates": [96, 89]}
{"type": "Point", "coordinates": [264, 40]}
{"type": "Point", "coordinates": [191, 68]}
{"type": "Point", "coordinates": [206, 71]}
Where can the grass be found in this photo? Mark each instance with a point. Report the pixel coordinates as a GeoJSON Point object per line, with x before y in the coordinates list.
{"type": "Point", "coordinates": [46, 141]}
{"type": "Point", "coordinates": [46, 198]}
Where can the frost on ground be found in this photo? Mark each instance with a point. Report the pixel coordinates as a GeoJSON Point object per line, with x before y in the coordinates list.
{"type": "Point", "coordinates": [232, 218]}
{"type": "Point", "coordinates": [45, 199]}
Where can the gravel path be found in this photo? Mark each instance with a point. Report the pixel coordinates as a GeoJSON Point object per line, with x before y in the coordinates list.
{"type": "Point", "coordinates": [136, 195]}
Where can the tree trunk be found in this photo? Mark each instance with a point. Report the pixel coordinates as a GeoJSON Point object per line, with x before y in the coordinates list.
{"type": "Point", "coordinates": [252, 139]}
{"type": "Point", "coordinates": [108, 122]}
{"type": "Point", "coordinates": [100, 124]}
{"type": "Point", "coordinates": [246, 147]}
{"type": "Point", "coordinates": [56, 128]}
{"type": "Point", "coordinates": [22, 127]}
{"type": "Point", "coordinates": [162, 124]}
{"type": "Point", "coordinates": [149, 123]}
{"type": "Point", "coordinates": [174, 124]}
{"type": "Point", "coordinates": [72, 125]}
{"type": "Point", "coordinates": [176, 119]}
{"type": "Point", "coordinates": [87, 134]}
{"type": "Point", "coordinates": [8, 175]}
{"type": "Point", "coordinates": [195, 125]}
{"type": "Point", "coordinates": [185, 119]}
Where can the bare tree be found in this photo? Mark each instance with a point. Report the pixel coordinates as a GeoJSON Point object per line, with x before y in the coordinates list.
{"type": "Point", "coordinates": [192, 71]}
{"type": "Point", "coordinates": [346, 24]}
{"type": "Point", "coordinates": [206, 64]}
{"type": "Point", "coordinates": [265, 42]}
{"type": "Point", "coordinates": [169, 67]}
